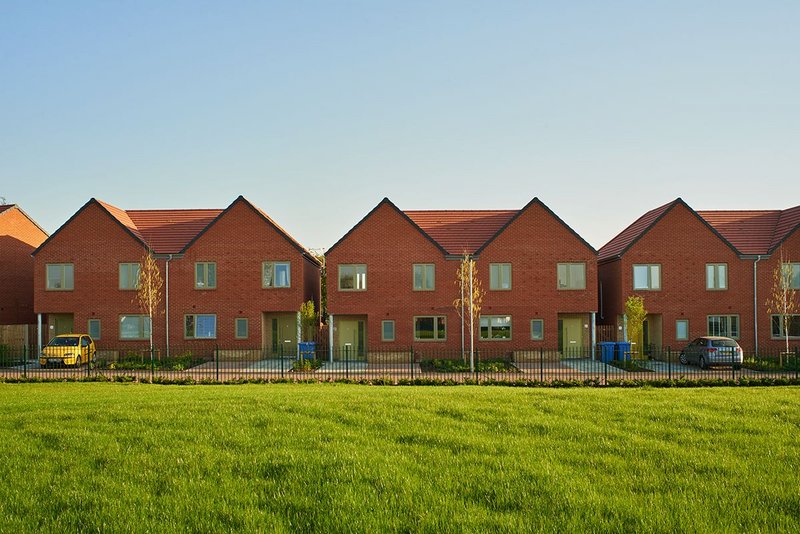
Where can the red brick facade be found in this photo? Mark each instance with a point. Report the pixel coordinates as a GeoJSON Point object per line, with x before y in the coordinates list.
{"type": "Point", "coordinates": [389, 244]}
{"type": "Point", "coordinates": [19, 237]}
{"type": "Point", "coordinates": [682, 243]}
{"type": "Point", "coordinates": [238, 241]}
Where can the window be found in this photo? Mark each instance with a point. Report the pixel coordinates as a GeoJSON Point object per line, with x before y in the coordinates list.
{"type": "Point", "coordinates": [276, 274]}
{"type": "Point", "coordinates": [571, 276]}
{"type": "Point", "coordinates": [537, 329]}
{"type": "Point", "coordinates": [94, 328]}
{"type": "Point", "coordinates": [682, 329]}
{"type": "Point", "coordinates": [500, 276]}
{"type": "Point", "coordinates": [723, 325]}
{"type": "Point", "coordinates": [134, 327]}
{"type": "Point", "coordinates": [205, 275]}
{"type": "Point", "coordinates": [387, 331]}
{"type": "Point", "coordinates": [352, 277]}
{"type": "Point", "coordinates": [794, 280]}
{"type": "Point", "coordinates": [200, 326]}
{"type": "Point", "coordinates": [242, 327]}
{"type": "Point", "coordinates": [495, 327]}
{"type": "Point", "coordinates": [60, 276]}
{"type": "Point", "coordinates": [129, 275]}
{"type": "Point", "coordinates": [716, 276]}
{"type": "Point", "coordinates": [647, 277]}
{"type": "Point", "coordinates": [424, 277]}
{"type": "Point", "coordinates": [777, 326]}
{"type": "Point", "coordinates": [430, 328]}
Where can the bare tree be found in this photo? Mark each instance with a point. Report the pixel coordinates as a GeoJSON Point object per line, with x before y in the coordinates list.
{"type": "Point", "coordinates": [468, 305]}
{"type": "Point", "coordinates": [148, 291]}
{"type": "Point", "coordinates": [783, 299]}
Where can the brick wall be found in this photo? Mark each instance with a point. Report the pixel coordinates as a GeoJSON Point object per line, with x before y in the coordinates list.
{"type": "Point", "coordinates": [19, 237]}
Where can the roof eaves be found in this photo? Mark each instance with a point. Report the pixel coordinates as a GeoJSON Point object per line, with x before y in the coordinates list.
{"type": "Point", "coordinates": [15, 206]}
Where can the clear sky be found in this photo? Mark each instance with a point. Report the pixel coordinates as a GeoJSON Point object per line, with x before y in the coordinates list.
{"type": "Point", "coordinates": [315, 111]}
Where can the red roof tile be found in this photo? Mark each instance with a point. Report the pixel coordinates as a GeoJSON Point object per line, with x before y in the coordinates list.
{"type": "Point", "coordinates": [459, 231]}
{"type": "Point", "coordinates": [626, 238]}
{"type": "Point", "coordinates": [751, 232]}
{"type": "Point", "coordinates": [169, 231]}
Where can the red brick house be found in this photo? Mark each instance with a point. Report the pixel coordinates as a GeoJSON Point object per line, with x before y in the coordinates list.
{"type": "Point", "coordinates": [697, 272]}
{"type": "Point", "coordinates": [232, 277]}
{"type": "Point", "coordinates": [19, 237]}
{"type": "Point", "coordinates": [391, 281]}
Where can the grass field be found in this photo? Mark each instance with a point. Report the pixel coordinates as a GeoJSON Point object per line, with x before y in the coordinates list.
{"type": "Point", "coordinates": [334, 458]}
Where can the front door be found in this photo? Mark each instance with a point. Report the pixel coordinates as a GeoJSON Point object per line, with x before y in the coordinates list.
{"type": "Point", "coordinates": [61, 323]}
{"type": "Point", "coordinates": [280, 333]}
{"type": "Point", "coordinates": [351, 338]}
{"type": "Point", "coordinates": [571, 336]}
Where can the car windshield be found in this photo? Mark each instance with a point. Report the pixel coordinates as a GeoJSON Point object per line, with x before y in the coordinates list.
{"type": "Point", "coordinates": [723, 343]}
{"type": "Point", "coordinates": [63, 342]}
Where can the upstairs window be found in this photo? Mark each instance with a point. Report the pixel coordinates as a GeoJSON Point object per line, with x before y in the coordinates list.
{"type": "Point", "coordinates": [129, 275]}
{"type": "Point", "coordinates": [499, 276]}
{"type": "Point", "coordinates": [276, 274]}
{"type": "Point", "coordinates": [60, 276]}
{"type": "Point", "coordinates": [571, 276]}
{"type": "Point", "coordinates": [647, 277]}
{"type": "Point", "coordinates": [716, 276]}
{"type": "Point", "coordinates": [794, 275]}
{"type": "Point", "coordinates": [424, 277]}
{"type": "Point", "coordinates": [205, 275]}
{"type": "Point", "coordinates": [352, 277]}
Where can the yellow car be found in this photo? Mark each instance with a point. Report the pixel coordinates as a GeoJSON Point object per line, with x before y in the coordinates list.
{"type": "Point", "coordinates": [68, 349]}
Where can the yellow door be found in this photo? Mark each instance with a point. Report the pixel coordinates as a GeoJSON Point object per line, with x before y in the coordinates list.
{"type": "Point", "coordinates": [572, 336]}
{"type": "Point", "coordinates": [60, 323]}
{"type": "Point", "coordinates": [350, 335]}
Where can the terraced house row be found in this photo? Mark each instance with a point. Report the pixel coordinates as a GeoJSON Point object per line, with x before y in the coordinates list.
{"type": "Point", "coordinates": [234, 278]}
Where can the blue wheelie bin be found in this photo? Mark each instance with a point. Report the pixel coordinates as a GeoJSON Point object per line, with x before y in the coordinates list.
{"type": "Point", "coordinates": [623, 351]}
{"type": "Point", "coordinates": [607, 350]}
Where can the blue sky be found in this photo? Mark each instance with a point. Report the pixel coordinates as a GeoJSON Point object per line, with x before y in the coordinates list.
{"type": "Point", "coordinates": [315, 111]}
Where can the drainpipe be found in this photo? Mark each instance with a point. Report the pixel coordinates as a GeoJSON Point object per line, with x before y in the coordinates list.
{"type": "Point", "coordinates": [755, 300]}
{"type": "Point", "coordinates": [39, 332]}
{"type": "Point", "coordinates": [330, 338]}
{"type": "Point", "coordinates": [166, 304]}
{"type": "Point", "coordinates": [594, 334]}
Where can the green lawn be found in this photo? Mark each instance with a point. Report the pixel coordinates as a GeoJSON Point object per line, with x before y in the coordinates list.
{"type": "Point", "coordinates": [334, 458]}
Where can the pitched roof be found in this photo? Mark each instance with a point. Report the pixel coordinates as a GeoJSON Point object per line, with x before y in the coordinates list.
{"type": "Point", "coordinates": [754, 232]}
{"type": "Point", "coordinates": [626, 238]}
{"type": "Point", "coordinates": [8, 207]}
{"type": "Point", "coordinates": [4, 207]}
{"type": "Point", "coordinates": [459, 231]}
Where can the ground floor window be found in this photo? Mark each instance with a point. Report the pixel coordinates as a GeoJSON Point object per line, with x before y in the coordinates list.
{"type": "Point", "coordinates": [242, 328]}
{"type": "Point", "coordinates": [134, 327]}
{"type": "Point", "coordinates": [778, 326]}
{"type": "Point", "coordinates": [495, 327]}
{"type": "Point", "coordinates": [387, 331]}
{"type": "Point", "coordinates": [537, 329]}
{"type": "Point", "coordinates": [94, 328]}
{"type": "Point", "coordinates": [723, 325]}
{"type": "Point", "coordinates": [430, 328]}
{"type": "Point", "coordinates": [200, 326]}
{"type": "Point", "coordinates": [682, 329]}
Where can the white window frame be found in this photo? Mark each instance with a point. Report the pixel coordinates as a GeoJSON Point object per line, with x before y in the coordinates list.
{"type": "Point", "coordinates": [715, 282]}
{"type": "Point", "coordinates": [195, 317]}
{"type": "Point", "coordinates": [489, 327]}
{"type": "Point", "coordinates": [497, 278]}
{"type": "Point", "coordinates": [359, 274]}
{"type": "Point", "coordinates": [678, 337]}
{"type": "Point", "coordinates": [567, 269]}
{"type": "Point", "coordinates": [206, 266]}
{"type": "Point", "coordinates": [383, 330]}
{"type": "Point", "coordinates": [66, 279]}
{"type": "Point", "coordinates": [651, 269]}
{"type": "Point", "coordinates": [541, 322]}
{"type": "Point", "coordinates": [435, 327]}
{"type": "Point", "coordinates": [729, 333]}
{"type": "Point", "coordinates": [130, 269]}
{"type": "Point", "coordinates": [271, 268]}
{"type": "Point", "coordinates": [144, 327]}
{"type": "Point", "coordinates": [427, 274]}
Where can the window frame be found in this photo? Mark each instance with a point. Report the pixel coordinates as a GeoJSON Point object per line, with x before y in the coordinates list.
{"type": "Point", "coordinates": [99, 328]}
{"type": "Point", "coordinates": [795, 267]}
{"type": "Point", "coordinates": [383, 330]}
{"type": "Point", "coordinates": [795, 321]}
{"type": "Point", "coordinates": [499, 267]}
{"type": "Point", "coordinates": [274, 265]}
{"type": "Point", "coordinates": [205, 265]}
{"type": "Point", "coordinates": [64, 278]}
{"type": "Point", "coordinates": [138, 273]}
{"type": "Point", "coordinates": [568, 271]}
{"type": "Point", "coordinates": [489, 328]}
{"type": "Point", "coordinates": [541, 322]}
{"type": "Point", "coordinates": [712, 284]}
{"type": "Point", "coordinates": [677, 336]}
{"type": "Point", "coordinates": [424, 267]}
{"type": "Point", "coordinates": [144, 331]}
{"type": "Point", "coordinates": [236, 322]}
{"type": "Point", "coordinates": [355, 267]}
{"type": "Point", "coordinates": [650, 267]}
{"type": "Point", "coordinates": [728, 316]}
{"type": "Point", "coordinates": [435, 337]}
{"type": "Point", "coordinates": [194, 325]}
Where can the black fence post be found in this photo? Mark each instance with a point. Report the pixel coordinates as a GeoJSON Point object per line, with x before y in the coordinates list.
{"type": "Point", "coordinates": [669, 363]}
{"type": "Point", "coordinates": [216, 361]}
{"type": "Point", "coordinates": [797, 362]}
{"type": "Point", "coordinates": [346, 362]}
{"type": "Point", "coordinates": [280, 354]}
{"type": "Point", "coordinates": [152, 363]}
{"type": "Point", "coordinates": [24, 366]}
{"type": "Point", "coordinates": [605, 372]}
{"type": "Point", "coordinates": [541, 364]}
{"type": "Point", "coordinates": [411, 353]}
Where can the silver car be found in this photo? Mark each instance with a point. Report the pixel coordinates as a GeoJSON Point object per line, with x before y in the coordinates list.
{"type": "Point", "coordinates": [712, 350]}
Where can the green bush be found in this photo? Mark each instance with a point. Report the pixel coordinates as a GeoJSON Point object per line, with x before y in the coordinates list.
{"type": "Point", "coordinates": [458, 366]}
{"type": "Point", "coordinates": [306, 365]}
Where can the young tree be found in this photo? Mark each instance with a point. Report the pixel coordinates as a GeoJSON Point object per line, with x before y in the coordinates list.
{"type": "Point", "coordinates": [783, 299]}
{"type": "Point", "coordinates": [636, 314]}
{"type": "Point", "coordinates": [468, 305]}
{"type": "Point", "coordinates": [148, 293]}
{"type": "Point", "coordinates": [309, 321]}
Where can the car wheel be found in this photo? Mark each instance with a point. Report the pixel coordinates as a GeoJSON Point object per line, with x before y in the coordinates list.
{"type": "Point", "coordinates": [702, 362]}
{"type": "Point", "coordinates": [683, 359]}
{"type": "Point", "coordinates": [77, 362]}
